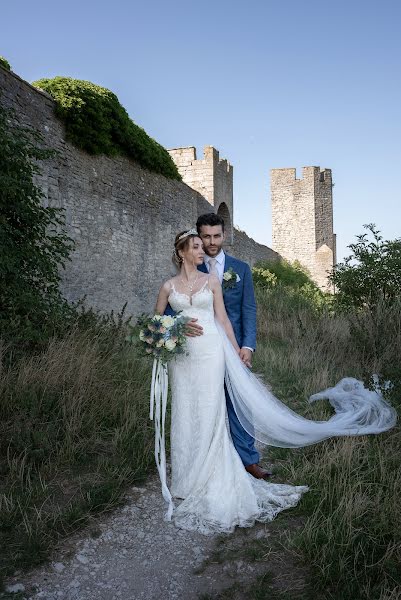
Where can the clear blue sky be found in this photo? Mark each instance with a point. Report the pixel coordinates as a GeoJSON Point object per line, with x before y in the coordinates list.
{"type": "Point", "coordinates": [269, 84]}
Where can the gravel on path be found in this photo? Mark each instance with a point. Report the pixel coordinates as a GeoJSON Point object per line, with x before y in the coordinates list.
{"type": "Point", "coordinates": [135, 555]}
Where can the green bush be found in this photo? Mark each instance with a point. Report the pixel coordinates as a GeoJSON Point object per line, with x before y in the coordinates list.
{"type": "Point", "coordinates": [96, 122]}
{"type": "Point", "coordinates": [263, 278]}
{"type": "Point", "coordinates": [33, 242]}
{"type": "Point", "coordinates": [372, 272]}
{"type": "Point", "coordinates": [4, 63]}
{"type": "Point", "coordinates": [286, 273]}
{"type": "Point", "coordinates": [297, 287]}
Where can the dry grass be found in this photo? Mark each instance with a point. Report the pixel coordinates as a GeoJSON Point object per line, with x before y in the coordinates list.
{"type": "Point", "coordinates": [352, 533]}
{"type": "Point", "coordinates": [74, 433]}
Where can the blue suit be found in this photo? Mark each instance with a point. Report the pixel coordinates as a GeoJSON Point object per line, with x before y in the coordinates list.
{"type": "Point", "coordinates": [241, 310]}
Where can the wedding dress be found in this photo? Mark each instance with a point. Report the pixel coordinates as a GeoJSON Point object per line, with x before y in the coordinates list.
{"type": "Point", "coordinates": [206, 470]}
{"type": "Point", "coordinates": [207, 473]}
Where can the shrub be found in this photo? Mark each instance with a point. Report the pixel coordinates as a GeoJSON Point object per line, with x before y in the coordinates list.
{"type": "Point", "coordinates": [371, 273]}
{"type": "Point", "coordinates": [296, 286]}
{"type": "Point", "coordinates": [263, 278]}
{"type": "Point", "coordinates": [33, 243]}
{"type": "Point", "coordinates": [96, 122]}
{"type": "Point", "coordinates": [4, 63]}
{"type": "Point", "coordinates": [286, 273]}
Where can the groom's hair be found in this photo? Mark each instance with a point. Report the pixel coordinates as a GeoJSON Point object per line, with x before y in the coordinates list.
{"type": "Point", "coordinates": [209, 219]}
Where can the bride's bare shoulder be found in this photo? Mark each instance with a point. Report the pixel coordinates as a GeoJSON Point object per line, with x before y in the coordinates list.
{"type": "Point", "coordinates": [214, 282]}
{"type": "Point", "coordinates": [169, 284]}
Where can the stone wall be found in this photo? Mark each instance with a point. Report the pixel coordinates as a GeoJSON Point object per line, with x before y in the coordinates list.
{"type": "Point", "coordinates": [302, 219]}
{"type": "Point", "coordinates": [244, 249]}
{"type": "Point", "coordinates": [123, 218]}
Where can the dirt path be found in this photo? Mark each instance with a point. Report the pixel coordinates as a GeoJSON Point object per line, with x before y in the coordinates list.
{"type": "Point", "coordinates": [133, 554]}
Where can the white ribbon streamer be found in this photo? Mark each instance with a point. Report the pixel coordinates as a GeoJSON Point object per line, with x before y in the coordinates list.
{"type": "Point", "coordinates": [158, 407]}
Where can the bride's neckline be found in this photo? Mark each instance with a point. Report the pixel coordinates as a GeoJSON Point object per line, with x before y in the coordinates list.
{"type": "Point", "coordinates": [190, 297]}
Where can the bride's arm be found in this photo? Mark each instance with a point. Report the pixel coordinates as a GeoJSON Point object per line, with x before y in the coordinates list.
{"type": "Point", "coordinates": [220, 310]}
{"type": "Point", "coordinates": [162, 299]}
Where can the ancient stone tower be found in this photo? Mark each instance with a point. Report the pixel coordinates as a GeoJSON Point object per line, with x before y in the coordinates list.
{"type": "Point", "coordinates": [302, 220]}
{"type": "Point", "coordinates": [212, 177]}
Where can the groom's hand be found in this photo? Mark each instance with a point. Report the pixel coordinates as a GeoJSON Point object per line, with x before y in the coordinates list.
{"type": "Point", "coordinates": [193, 329]}
{"type": "Point", "coordinates": [245, 355]}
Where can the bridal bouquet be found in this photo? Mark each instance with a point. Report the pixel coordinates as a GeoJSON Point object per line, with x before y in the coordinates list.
{"type": "Point", "coordinates": [160, 337]}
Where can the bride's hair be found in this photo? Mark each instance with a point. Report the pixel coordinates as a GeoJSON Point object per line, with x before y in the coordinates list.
{"type": "Point", "coordinates": [181, 243]}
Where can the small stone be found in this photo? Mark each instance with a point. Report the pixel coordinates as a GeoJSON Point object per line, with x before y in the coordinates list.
{"type": "Point", "coordinates": [14, 589]}
{"type": "Point", "coordinates": [58, 567]}
{"type": "Point", "coordinates": [82, 559]}
{"type": "Point", "coordinates": [259, 535]}
{"type": "Point", "coordinates": [17, 587]}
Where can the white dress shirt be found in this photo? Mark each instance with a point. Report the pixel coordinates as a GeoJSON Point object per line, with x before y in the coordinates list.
{"type": "Point", "coordinates": [220, 263]}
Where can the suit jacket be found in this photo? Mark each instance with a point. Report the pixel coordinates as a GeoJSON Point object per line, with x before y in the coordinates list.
{"type": "Point", "coordinates": [239, 302]}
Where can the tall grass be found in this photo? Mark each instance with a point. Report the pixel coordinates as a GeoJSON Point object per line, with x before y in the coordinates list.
{"type": "Point", "coordinates": [352, 534]}
{"type": "Point", "coordinates": [74, 431]}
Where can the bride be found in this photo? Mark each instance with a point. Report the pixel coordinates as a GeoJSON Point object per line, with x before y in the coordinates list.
{"type": "Point", "coordinates": [207, 473]}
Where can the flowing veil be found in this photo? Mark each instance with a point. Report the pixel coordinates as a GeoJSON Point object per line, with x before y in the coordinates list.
{"type": "Point", "coordinates": [358, 411]}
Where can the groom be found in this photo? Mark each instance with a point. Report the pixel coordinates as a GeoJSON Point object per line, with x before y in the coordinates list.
{"type": "Point", "coordinates": [239, 300]}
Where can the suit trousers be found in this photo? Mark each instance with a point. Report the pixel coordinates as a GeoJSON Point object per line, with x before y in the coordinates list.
{"type": "Point", "coordinates": [243, 442]}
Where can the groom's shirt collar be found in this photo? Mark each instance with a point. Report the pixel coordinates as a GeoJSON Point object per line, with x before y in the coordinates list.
{"type": "Point", "coordinates": [220, 257]}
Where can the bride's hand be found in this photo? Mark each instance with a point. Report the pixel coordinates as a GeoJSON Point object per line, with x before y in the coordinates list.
{"type": "Point", "coordinates": [193, 329]}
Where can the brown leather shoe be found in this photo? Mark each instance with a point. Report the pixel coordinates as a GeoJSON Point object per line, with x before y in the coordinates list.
{"type": "Point", "coordinates": [258, 472]}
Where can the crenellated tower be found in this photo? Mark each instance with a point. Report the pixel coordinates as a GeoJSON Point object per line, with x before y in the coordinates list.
{"type": "Point", "coordinates": [212, 177]}
{"type": "Point", "coordinates": [302, 220]}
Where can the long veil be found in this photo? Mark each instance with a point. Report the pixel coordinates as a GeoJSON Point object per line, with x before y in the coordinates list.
{"type": "Point", "coordinates": [358, 411]}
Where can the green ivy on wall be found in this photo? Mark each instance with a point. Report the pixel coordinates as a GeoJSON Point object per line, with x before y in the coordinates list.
{"type": "Point", "coordinates": [4, 63]}
{"type": "Point", "coordinates": [96, 122]}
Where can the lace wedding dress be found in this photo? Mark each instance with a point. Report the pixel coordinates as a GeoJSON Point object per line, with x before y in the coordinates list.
{"type": "Point", "coordinates": [207, 472]}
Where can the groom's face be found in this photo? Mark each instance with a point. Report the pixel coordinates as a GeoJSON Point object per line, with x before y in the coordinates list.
{"type": "Point", "coordinates": [212, 237]}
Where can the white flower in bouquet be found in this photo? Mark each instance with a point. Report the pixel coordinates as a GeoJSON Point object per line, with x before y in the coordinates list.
{"type": "Point", "coordinates": [170, 344]}
{"type": "Point", "coordinates": [168, 321]}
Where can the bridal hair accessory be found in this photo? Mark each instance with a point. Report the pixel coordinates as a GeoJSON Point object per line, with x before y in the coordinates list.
{"type": "Point", "coordinates": [177, 256]}
{"type": "Point", "coordinates": [187, 233]}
